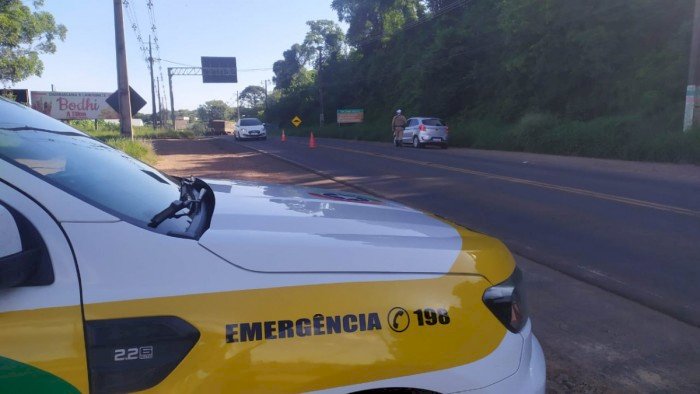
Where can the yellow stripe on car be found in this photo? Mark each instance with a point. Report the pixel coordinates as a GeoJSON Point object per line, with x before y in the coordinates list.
{"type": "Point", "coordinates": [322, 359]}
{"type": "Point", "coordinates": [49, 339]}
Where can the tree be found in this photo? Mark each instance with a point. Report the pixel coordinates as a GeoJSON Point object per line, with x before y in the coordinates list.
{"type": "Point", "coordinates": [214, 110]}
{"type": "Point", "coordinates": [252, 96]}
{"type": "Point", "coordinates": [497, 61]}
{"type": "Point", "coordinates": [439, 5]}
{"type": "Point", "coordinates": [23, 36]}
{"type": "Point", "coordinates": [285, 69]}
{"type": "Point", "coordinates": [325, 34]}
{"type": "Point", "coordinates": [186, 113]}
{"type": "Point", "coordinates": [375, 19]}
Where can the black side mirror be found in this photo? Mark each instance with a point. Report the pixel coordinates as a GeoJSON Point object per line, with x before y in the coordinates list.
{"type": "Point", "coordinates": [24, 259]}
{"type": "Point", "coordinates": [18, 268]}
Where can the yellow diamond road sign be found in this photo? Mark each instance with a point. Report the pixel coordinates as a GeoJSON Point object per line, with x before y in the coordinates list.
{"type": "Point", "coordinates": [296, 121]}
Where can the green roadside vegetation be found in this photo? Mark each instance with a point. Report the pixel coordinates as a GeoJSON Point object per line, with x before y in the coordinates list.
{"type": "Point", "coordinates": [106, 130]}
{"type": "Point", "coordinates": [599, 78]}
{"type": "Point", "coordinates": [140, 147]}
{"type": "Point", "coordinates": [624, 138]}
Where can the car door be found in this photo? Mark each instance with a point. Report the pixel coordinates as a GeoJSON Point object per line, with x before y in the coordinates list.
{"type": "Point", "coordinates": [410, 130]}
{"type": "Point", "coordinates": [42, 344]}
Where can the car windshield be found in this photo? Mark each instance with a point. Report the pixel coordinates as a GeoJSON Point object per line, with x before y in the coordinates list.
{"type": "Point", "coordinates": [86, 168]}
{"type": "Point", "coordinates": [433, 122]}
{"type": "Point", "coordinates": [250, 122]}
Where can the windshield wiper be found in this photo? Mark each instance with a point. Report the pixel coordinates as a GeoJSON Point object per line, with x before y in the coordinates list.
{"type": "Point", "coordinates": [187, 200]}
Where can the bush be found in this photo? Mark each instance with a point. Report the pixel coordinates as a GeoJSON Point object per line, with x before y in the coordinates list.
{"type": "Point", "coordinates": [533, 132]}
{"type": "Point", "coordinates": [138, 149]}
{"type": "Point", "coordinates": [199, 128]}
{"type": "Point", "coordinates": [619, 137]}
{"type": "Point", "coordinates": [361, 131]}
{"type": "Point", "coordinates": [479, 133]}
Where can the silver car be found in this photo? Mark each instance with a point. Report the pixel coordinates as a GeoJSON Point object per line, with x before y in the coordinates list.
{"type": "Point", "coordinates": [422, 131]}
{"type": "Point", "coordinates": [250, 128]}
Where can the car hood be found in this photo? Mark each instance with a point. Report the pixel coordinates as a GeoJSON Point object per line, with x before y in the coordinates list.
{"type": "Point", "coordinates": [275, 228]}
{"type": "Point", "coordinates": [251, 128]}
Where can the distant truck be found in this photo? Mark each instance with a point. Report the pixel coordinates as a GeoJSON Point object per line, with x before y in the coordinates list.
{"type": "Point", "coordinates": [221, 127]}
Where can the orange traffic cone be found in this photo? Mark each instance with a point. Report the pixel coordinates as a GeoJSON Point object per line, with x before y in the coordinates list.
{"type": "Point", "coordinates": [284, 136]}
{"type": "Point", "coordinates": [312, 141]}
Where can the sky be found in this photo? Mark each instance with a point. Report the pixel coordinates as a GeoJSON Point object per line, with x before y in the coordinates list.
{"type": "Point", "coordinates": [256, 32]}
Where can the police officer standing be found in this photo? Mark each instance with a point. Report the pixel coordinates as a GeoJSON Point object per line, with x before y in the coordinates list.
{"type": "Point", "coordinates": [398, 124]}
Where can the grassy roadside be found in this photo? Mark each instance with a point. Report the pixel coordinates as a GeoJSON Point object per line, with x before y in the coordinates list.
{"type": "Point", "coordinates": [623, 137]}
{"type": "Point", "coordinates": [139, 148]}
{"type": "Point", "coordinates": [106, 131]}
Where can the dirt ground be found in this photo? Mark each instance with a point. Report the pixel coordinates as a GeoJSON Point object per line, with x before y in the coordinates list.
{"type": "Point", "coordinates": [211, 158]}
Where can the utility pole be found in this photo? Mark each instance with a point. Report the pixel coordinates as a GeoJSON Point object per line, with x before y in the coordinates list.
{"type": "Point", "coordinates": [266, 99]}
{"type": "Point", "coordinates": [320, 83]}
{"type": "Point", "coordinates": [691, 92]}
{"type": "Point", "coordinates": [153, 87]}
{"type": "Point", "coordinates": [160, 104]}
{"type": "Point", "coordinates": [172, 100]}
{"type": "Point", "coordinates": [122, 75]}
{"type": "Point", "coordinates": [238, 107]}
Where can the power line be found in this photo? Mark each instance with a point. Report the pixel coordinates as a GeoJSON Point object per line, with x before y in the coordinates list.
{"type": "Point", "coordinates": [172, 62]}
{"type": "Point", "coordinates": [154, 31]}
{"type": "Point", "coordinates": [136, 27]}
{"type": "Point", "coordinates": [255, 69]}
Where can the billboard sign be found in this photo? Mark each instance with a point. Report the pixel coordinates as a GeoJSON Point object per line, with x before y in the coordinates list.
{"type": "Point", "coordinates": [219, 69]}
{"type": "Point", "coordinates": [350, 116]}
{"type": "Point", "coordinates": [73, 105]}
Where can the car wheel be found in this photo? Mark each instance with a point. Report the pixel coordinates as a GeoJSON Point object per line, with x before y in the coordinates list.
{"type": "Point", "coordinates": [443, 146]}
{"type": "Point", "coordinates": [416, 144]}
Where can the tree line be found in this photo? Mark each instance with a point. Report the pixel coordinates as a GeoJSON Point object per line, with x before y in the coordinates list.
{"type": "Point", "coordinates": [503, 62]}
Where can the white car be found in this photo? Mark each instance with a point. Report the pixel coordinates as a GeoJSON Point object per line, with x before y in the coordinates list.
{"type": "Point", "coordinates": [422, 131]}
{"type": "Point", "coordinates": [115, 277]}
{"type": "Point", "coordinates": [250, 129]}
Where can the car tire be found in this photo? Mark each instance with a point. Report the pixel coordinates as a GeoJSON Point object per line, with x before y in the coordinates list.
{"type": "Point", "coordinates": [417, 144]}
{"type": "Point", "coordinates": [443, 146]}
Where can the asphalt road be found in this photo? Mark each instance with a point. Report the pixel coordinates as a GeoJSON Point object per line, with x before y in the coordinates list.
{"type": "Point", "coordinates": [630, 232]}
{"type": "Point", "coordinates": [610, 249]}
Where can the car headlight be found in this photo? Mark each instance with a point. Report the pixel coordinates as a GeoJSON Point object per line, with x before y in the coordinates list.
{"type": "Point", "coordinates": [506, 301]}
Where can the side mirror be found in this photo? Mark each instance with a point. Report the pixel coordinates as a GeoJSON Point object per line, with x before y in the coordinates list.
{"type": "Point", "coordinates": [21, 260]}
{"type": "Point", "coordinates": [10, 241]}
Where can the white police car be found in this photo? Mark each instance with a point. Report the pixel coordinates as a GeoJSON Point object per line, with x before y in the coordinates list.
{"type": "Point", "coordinates": [115, 277]}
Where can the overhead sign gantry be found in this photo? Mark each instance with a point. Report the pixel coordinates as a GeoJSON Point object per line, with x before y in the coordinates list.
{"type": "Point", "coordinates": [213, 70]}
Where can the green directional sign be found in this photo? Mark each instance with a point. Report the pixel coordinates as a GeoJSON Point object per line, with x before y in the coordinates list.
{"type": "Point", "coordinates": [350, 115]}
